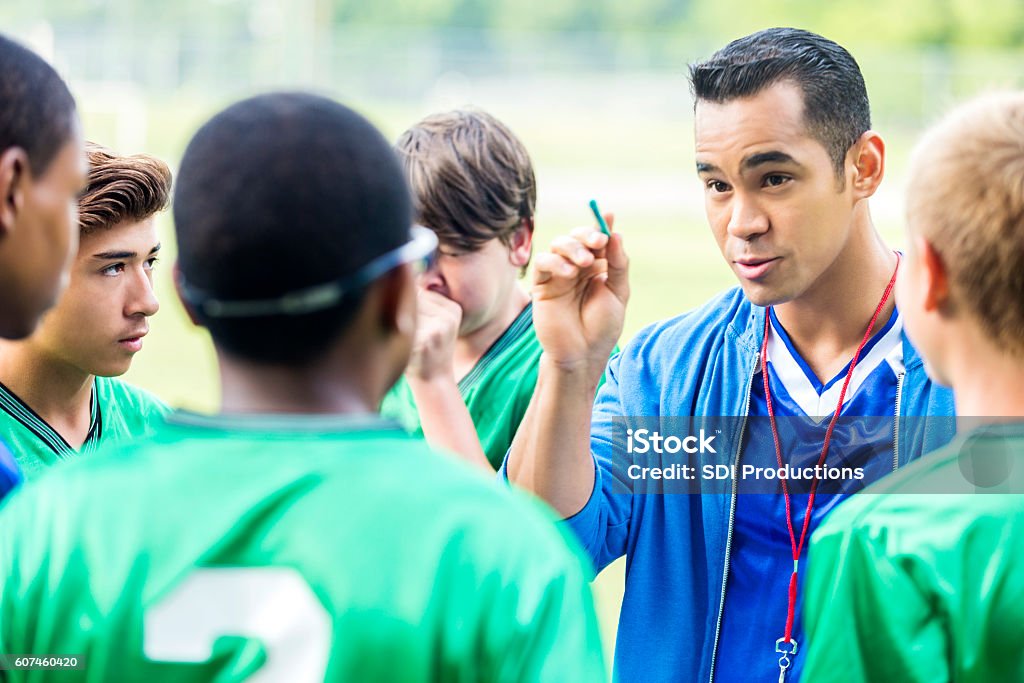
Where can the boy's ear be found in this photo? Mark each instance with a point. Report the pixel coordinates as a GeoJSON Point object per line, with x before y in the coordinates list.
{"type": "Point", "coordinates": [935, 277]}
{"type": "Point", "coordinates": [176, 277]}
{"type": "Point", "coordinates": [397, 293]}
{"type": "Point", "coordinates": [868, 164]}
{"type": "Point", "coordinates": [13, 165]}
{"type": "Point", "coordinates": [521, 244]}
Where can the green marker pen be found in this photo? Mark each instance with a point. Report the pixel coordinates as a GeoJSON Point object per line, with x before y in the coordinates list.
{"type": "Point", "coordinates": [600, 219]}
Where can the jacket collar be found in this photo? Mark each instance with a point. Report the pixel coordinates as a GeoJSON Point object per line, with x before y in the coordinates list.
{"type": "Point", "coordinates": [747, 327]}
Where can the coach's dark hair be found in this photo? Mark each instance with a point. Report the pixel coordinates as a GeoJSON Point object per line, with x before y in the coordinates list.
{"type": "Point", "coordinates": [282, 192]}
{"type": "Point", "coordinates": [37, 111]}
{"type": "Point", "coordinates": [836, 108]}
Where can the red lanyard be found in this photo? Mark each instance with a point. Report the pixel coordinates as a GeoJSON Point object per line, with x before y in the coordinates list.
{"type": "Point", "coordinates": [786, 645]}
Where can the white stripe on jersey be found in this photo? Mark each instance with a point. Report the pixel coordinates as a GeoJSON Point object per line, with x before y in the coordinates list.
{"type": "Point", "coordinates": [817, 400]}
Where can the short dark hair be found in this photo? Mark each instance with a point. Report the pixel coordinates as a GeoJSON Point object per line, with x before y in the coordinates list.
{"type": "Point", "coordinates": [836, 108]}
{"type": "Point", "coordinates": [282, 192]}
{"type": "Point", "coordinates": [121, 188]}
{"type": "Point", "coordinates": [37, 111]}
{"type": "Point", "coordinates": [471, 177]}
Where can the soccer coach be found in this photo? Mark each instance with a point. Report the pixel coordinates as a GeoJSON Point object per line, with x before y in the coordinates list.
{"type": "Point", "coordinates": [788, 161]}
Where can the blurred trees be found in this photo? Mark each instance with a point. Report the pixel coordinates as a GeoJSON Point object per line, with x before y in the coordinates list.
{"type": "Point", "coordinates": [911, 23]}
{"type": "Point", "coordinates": [968, 23]}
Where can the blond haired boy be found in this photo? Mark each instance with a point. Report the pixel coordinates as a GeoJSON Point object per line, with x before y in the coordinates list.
{"type": "Point", "coordinates": [928, 587]}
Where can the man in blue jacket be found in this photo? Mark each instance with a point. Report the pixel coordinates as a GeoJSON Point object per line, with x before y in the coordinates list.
{"type": "Point", "coordinates": [788, 161]}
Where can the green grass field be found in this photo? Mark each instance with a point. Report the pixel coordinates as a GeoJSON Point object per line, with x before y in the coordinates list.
{"type": "Point", "coordinates": [641, 172]}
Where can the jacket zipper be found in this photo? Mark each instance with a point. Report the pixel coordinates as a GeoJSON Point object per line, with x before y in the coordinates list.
{"type": "Point", "coordinates": [896, 423]}
{"type": "Point", "coordinates": [732, 518]}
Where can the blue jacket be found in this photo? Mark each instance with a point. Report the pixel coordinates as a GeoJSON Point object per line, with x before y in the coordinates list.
{"type": "Point", "coordinates": [677, 546]}
{"type": "Point", "coordinates": [10, 476]}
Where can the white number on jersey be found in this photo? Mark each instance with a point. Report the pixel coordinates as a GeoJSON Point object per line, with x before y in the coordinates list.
{"type": "Point", "coordinates": [274, 605]}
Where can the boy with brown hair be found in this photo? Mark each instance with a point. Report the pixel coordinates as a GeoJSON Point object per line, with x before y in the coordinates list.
{"type": "Point", "coordinates": [928, 587]}
{"type": "Point", "coordinates": [58, 395]}
{"type": "Point", "coordinates": [475, 355]}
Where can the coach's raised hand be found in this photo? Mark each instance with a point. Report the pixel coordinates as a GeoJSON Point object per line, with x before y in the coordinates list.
{"type": "Point", "coordinates": [580, 291]}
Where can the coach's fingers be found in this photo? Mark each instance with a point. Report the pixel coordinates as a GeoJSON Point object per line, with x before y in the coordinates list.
{"type": "Point", "coordinates": [593, 239]}
{"type": "Point", "coordinates": [572, 250]}
{"type": "Point", "coordinates": [548, 267]}
{"type": "Point", "coordinates": [609, 219]}
{"type": "Point", "coordinates": [618, 267]}
{"type": "Point", "coordinates": [599, 267]}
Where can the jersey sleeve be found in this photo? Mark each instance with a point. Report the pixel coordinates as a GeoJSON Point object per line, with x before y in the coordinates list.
{"type": "Point", "coordinates": [19, 562]}
{"type": "Point", "coordinates": [536, 616]}
{"type": "Point", "coordinates": [398, 405]}
{"type": "Point", "coordinates": [45, 588]}
{"type": "Point", "coordinates": [153, 407]}
{"type": "Point", "coordinates": [868, 613]}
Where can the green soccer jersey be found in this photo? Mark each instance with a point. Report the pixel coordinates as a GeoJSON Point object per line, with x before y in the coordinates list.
{"type": "Point", "coordinates": [290, 548]}
{"type": "Point", "coordinates": [919, 578]}
{"type": "Point", "coordinates": [119, 411]}
{"type": "Point", "coordinates": [496, 391]}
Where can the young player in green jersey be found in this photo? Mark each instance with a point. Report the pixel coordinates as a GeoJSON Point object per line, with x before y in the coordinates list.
{"type": "Point", "coordinates": [925, 581]}
{"type": "Point", "coordinates": [474, 361]}
{"type": "Point", "coordinates": [57, 392]}
{"type": "Point", "coordinates": [42, 169]}
{"type": "Point", "coordinates": [296, 536]}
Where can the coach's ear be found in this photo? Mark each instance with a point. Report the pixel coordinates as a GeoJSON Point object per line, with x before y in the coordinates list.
{"type": "Point", "coordinates": [868, 157]}
{"type": "Point", "coordinates": [13, 167]}
{"type": "Point", "coordinates": [935, 278]}
{"type": "Point", "coordinates": [176, 277]}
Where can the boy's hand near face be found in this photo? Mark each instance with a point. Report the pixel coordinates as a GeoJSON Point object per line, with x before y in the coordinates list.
{"type": "Point", "coordinates": [431, 375]}
{"type": "Point", "coordinates": [437, 327]}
